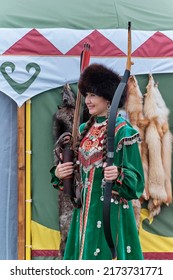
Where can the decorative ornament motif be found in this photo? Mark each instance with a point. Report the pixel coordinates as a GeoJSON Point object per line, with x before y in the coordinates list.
{"type": "Point", "coordinates": [99, 224]}
{"type": "Point", "coordinates": [20, 87]}
{"type": "Point", "coordinates": [97, 251]}
{"type": "Point", "coordinates": [128, 249]}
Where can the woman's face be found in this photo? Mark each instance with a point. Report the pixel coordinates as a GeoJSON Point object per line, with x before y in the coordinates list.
{"type": "Point", "coordinates": [97, 105]}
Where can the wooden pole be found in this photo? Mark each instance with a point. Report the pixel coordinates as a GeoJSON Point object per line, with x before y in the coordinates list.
{"type": "Point", "coordinates": [28, 180]}
{"type": "Point", "coordinates": [21, 182]}
{"type": "Point", "coordinates": [129, 62]}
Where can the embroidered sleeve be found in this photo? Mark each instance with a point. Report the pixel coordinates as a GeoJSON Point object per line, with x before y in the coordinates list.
{"type": "Point", "coordinates": [130, 181]}
{"type": "Point", "coordinates": [128, 184]}
{"type": "Point", "coordinates": [120, 177]}
{"type": "Point", "coordinates": [56, 182]}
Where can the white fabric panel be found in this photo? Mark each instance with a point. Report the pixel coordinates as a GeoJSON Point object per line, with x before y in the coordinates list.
{"type": "Point", "coordinates": [33, 61]}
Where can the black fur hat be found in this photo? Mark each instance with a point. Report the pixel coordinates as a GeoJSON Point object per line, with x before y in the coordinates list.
{"type": "Point", "coordinates": [100, 80]}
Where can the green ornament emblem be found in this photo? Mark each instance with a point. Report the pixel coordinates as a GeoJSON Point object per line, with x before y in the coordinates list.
{"type": "Point", "coordinates": [19, 87]}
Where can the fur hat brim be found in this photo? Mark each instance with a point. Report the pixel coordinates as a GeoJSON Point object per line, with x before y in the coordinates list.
{"type": "Point", "coordinates": [99, 80]}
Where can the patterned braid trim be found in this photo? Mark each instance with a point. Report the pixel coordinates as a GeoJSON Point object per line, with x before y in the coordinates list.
{"type": "Point", "coordinates": [128, 141]}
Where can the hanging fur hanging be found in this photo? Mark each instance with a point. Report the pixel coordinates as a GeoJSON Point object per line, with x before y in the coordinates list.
{"type": "Point", "coordinates": [157, 136]}
{"type": "Point", "coordinates": [62, 124]}
{"type": "Point", "coordinates": [134, 109]}
{"type": "Point", "coordinates": [166, 140]}
{"type": "Point", "coordinates": [63, 118]}
{"type": "Point", "coordinates": [150, 117]}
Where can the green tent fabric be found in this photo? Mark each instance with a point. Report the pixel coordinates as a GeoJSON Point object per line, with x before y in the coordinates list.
{"type": "Point", "coordinates": [79, 14]}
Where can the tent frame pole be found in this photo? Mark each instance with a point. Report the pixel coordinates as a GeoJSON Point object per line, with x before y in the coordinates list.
{"type": "Point", "coordinates": [28, 180]}
{"type": "Point", "coordinates": [21, 182]}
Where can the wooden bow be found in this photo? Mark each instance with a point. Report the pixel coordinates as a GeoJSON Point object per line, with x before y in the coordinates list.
{"type": "Point", "coordinates": [110, 148]}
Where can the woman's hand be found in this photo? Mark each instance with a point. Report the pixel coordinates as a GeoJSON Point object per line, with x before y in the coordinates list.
{"type": "Point", "coordinates": [64, 170]}
{"type": "Point", "coordinates": [110, 173]}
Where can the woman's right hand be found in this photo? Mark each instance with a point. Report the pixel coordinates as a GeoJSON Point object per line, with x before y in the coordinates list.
{"type": "Point", "coordinates": [64, 170]}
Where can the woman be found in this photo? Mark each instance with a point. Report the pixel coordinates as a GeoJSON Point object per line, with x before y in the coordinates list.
{"type": "Point", "coordinates": [86, 238]}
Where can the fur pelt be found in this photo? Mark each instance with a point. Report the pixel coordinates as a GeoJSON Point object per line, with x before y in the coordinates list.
{"type": "Point", "coordinates": [134, 103]}
{"type": "Point", "coordinates": [62, 123]}
{"type": "Point", "coordinates": [154, 208]}
{"type": "Point", "coordinates": [166, 157]}
{"type": "Point", "coordinates": [63, 118]}
{"type": "Point", "coordinates": [156, 176]}
{"type": "Point", "coordinates": [158, 139]}
{"type": "Point", "coordinates": [166, 138]}
{"type": "Point", "coordinates": [149, 115]}
{"type": "Point", "coordinates": [134, 109]}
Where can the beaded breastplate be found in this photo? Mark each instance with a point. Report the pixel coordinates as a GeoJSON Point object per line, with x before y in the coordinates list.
{"type": "Point", "coordinates": [91, 147]}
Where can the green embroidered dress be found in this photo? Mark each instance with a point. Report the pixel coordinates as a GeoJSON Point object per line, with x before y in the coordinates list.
{"type": "Point", "coordinates": [86, 238]}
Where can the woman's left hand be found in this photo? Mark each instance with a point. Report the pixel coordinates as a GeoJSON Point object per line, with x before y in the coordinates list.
{"type": "Point", "coordinates": [110, 173]}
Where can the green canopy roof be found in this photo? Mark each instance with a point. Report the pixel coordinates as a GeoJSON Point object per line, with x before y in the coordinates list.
{"type": "Point", "coordinates": [80, 14]}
